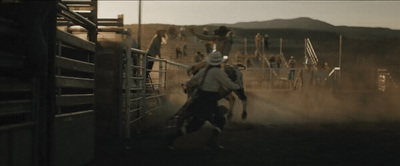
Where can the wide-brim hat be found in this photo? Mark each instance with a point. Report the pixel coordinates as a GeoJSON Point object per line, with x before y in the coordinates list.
{"type": "Point", "coordinates": [215, 58]}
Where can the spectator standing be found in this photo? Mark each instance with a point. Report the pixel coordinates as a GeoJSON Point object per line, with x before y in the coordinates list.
{"type": "Point", "coordinates": [172, 33]}
{"type": "Point", "coordinates": [198, 57]}
{"type": "Point", "coordinates": [182, 33]}
{"type": "Point", "coordinates": [155, 48]}
{"type": "Point", "coordinates": [184, 49]}
{"type": "Point", "coordinates": [266, 38]}
{"type": "Point", "coordinates": [272, 61]}
{"type": "Point", "coordinates": [292, 64]}
{"type": "Point", "coordinates": [131, 42]}
{"type": "Point", "coordinates": [278, 62]}
{"type": "Point", "coordinates": [326, 69]}
{"type": "Point", "coordinates": [258, 41]}
{"type": "Point", "coordinates": [178, 51]}
{"type": "Point", "coordinates": [205, 31]}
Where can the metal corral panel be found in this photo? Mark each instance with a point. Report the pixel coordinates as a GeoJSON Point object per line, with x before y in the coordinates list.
{"type": "Point", "coordinates": [107, 81]}
{"type": "Point", "coordinates": [74, 138]}
{"type": "Point", "coordinates": [16, 147]}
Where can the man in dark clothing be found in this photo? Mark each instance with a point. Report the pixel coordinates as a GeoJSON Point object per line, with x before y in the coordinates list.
{"type": "Point", "coordinates": [184, 49]}
{"type": "Point", "coordinates": [130, 42]}
{"type": "Point", "coordinates": [182, 33]}
{"type": "Point", "coordinates": [272, 61]}
{"type": "Point", "coordinates": [292, 64]}
{"type": "Point", "coordinates": [198, 57]}
{"type": "Point", "coordinates": [155, 48]}
{"type": "Point", "coordinates": [178, 51]}
{"type": "Point", "coordinates": [278, 62]}
{"type": "Point", "coordinates": [266, 37]}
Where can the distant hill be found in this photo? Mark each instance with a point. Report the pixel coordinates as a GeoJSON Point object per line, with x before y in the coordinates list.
{"type": "Point", "coordinates": [305, 23]}
{"type": "Point", "coordinates": [297, 23]}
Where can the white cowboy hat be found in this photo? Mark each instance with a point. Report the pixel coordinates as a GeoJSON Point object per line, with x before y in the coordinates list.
{"type": "Point", "coordinates": [215, 58]}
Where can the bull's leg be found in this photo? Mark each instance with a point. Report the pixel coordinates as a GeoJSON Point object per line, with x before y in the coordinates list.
{"type": "Point", "coordinates": [231, 99]}
{"type": "Point", "coordinates": [242, 96]}
{"type": "Point", "coordinates": [244, 104]}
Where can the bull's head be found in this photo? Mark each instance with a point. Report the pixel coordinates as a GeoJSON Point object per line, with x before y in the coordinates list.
{"type": "Point", "coordinates": [240, 66]}
{"type": "Point", "coordinates": [230, 71]}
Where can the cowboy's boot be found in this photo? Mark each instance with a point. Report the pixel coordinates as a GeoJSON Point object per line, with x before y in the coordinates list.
{"type": "Point", "coordinates": [213, 140]}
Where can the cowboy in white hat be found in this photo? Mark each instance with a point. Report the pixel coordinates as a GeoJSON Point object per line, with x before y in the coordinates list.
{"type": "Point", "coordinates": [215, 58]}
{"type": "Point", "coordinates": [205, 107]}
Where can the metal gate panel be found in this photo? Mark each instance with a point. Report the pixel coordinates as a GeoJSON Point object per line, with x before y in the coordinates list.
{"type": "Point", "coordinates": [74, 138]}
{"type": "Point", "coordinates": [16, 149]}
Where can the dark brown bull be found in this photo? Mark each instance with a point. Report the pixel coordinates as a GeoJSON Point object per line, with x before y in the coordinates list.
{"type": "Point", "coordinates": [234, 73]}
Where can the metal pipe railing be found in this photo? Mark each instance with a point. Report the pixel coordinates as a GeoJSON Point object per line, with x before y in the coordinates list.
{"type": "Point", "coordinates": [141, 91]}
{"type": "Point", "coordinates": [128, 93]}
{"type": "Point", "coordinates": [138, 51]}
{"type": "Point", "coordinates": [75, 17]}
{"type": "Point", "coordinates": [100, 29]}
{"type": "Point", "coordinates": [311, 51]}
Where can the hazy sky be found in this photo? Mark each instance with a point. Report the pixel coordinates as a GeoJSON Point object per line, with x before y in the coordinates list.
{"type": "Point", "coordinates": [350, 13]}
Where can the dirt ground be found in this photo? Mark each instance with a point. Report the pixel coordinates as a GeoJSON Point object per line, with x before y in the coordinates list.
{"type": "Point", "coordinates": [312, 127]}
{"type": "Point", "coordinates": [281, 129]}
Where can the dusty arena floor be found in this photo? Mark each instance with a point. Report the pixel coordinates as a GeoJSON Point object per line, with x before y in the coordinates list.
{"type": "Point", "coordinates": [275, 133]}
{"type": "Point", "coordinates": [249, 144]}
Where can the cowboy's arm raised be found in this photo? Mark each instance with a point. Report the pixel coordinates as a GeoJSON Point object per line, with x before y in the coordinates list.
{"type": "Point", "coordinates": [203, 37]}
{"type": "Point", "coordinates": [195, 80]}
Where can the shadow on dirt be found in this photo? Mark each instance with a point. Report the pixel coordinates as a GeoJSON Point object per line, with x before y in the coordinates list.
{"type": "Point", "coordinates": [281, 129]}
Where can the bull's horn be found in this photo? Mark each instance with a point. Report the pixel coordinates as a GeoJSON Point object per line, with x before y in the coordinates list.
{"type": "Point", "coordinates": [241, 65]}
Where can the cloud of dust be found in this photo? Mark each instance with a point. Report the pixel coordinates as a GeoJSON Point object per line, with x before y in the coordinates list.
{"type": "Point", "coordinates": [313, 106]}
{"type": "Point", "coordinates": [306, 107]}
{"type": "Point", "coordinates": [318, 107]}
{"type": "Point", "coordinates": [175, 100]}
